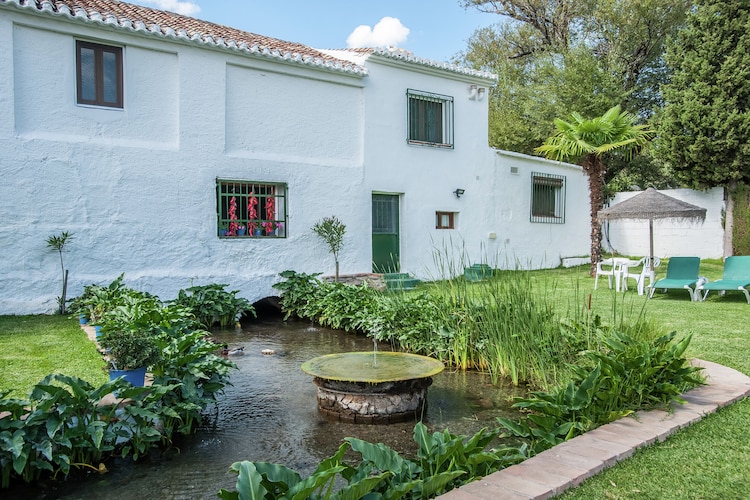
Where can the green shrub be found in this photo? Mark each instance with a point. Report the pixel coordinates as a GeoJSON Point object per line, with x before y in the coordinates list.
{"type": "Point", "coordinates": [741, 231]}
{"type": "Point", "coordinates": [298, 291]}
{"type": "Point", "coordinates": [63, 425]}
{"type": "Point", "coordinates": [98, 299]}
{"type": "Point", "coordinates": [212, 304]}
{"type": "Point", "coordinates": [628, 375]}
{"type": "Point", "coordinates": [444, 461]}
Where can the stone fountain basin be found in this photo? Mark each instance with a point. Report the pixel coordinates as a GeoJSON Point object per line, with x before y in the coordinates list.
{"type": "Point", "coordinates": [372, 367]}
{"type": "Point", "coordinates": [372, 387]}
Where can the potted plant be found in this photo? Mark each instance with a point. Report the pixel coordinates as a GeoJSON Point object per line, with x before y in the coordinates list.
{"type": "Point", "coordinates": [241, 230]}
{"type": "Point", "coordinates": [130, 353]}
{"type": "Point", "coordinates": [269, 228]}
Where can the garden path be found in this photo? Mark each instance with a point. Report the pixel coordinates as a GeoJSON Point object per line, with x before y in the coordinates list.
{"type": "Point", "coordinates": [568, 464]}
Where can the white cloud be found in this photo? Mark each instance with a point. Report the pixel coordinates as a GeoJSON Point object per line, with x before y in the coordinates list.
{"type": "Point", "coordinates": [388, 31]}
{"type": "Point", "coordinates": [184, 8]}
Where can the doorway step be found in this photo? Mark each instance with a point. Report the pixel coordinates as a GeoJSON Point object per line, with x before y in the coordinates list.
{"type": "Point", "coordinates": [399, 281]}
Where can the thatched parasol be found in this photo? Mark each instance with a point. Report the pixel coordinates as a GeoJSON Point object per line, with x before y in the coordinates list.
{"type": "Point", "coordinates": [651, 204]}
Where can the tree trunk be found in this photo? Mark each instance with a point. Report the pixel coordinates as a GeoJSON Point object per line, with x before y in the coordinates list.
{"type": "Point", "coordinates": [594, 170]}
{"type": "Point", "coordinates": [64, 292]}
{"type": "Point", "coordinates": [729, 192]}
{"type": "Point", "coordinates": [337, 270]}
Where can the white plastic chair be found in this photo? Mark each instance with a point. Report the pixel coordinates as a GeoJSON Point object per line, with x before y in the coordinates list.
{"type": "Point", "coordinates": [608, 268]}
{"type": "Point", "coordinates": [640, 275]}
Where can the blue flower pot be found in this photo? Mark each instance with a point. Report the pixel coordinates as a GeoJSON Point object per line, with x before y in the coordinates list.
{"type": "Point", "coordinates": [98, 330]}
{"type": "Point", "coordinates": [83, 319]}
{"type": "Point", "coordinates": [241, 232]}
{"type": "Point", "coordinates": [137, 377]}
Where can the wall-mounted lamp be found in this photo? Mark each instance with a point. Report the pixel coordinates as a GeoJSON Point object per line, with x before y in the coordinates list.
{"type": "Point", "coordinates": [480, 93]}
{"type": "Point", "coordinates": [472, 92]}
{"type": "Point", "coordinates": [458, 192]}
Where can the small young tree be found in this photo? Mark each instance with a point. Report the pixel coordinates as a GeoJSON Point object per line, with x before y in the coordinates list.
{"type": "Point", "coordinates": [331, 230]}
{"type": "Point", "coordinates": [57, 243]}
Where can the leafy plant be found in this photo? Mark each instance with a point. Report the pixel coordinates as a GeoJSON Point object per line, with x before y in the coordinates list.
{"type": "Point", "coordinates": [130, 349]}
{"type": "Point", "coordinates": [444, 462]}
{"type": "Point", "coordinates": [58, 243]}
{"type": "Point", "coordinates": [297, 292]}
{"type": "Point", "coordinates": [188, 360]}
{"type": "Point", "coordinates": [331, 230]}
{"type": "Point", "coordinates": [98, 299]}
{"type": "Point", "coordinates": [213, 304]}
{"type": "Point", "coordinates": [628, 375]}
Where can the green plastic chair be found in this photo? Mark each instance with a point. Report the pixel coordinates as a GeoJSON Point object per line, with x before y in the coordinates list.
{"type": "Point", "coordinates": [682, 273]}
{"type": "Point", "coordinates": [736, 277]}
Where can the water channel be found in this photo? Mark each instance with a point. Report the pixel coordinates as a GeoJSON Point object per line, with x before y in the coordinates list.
{"type": "Point", "coordinates": [270, 414]}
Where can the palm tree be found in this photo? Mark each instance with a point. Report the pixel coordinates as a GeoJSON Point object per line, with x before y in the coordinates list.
{"type": "Point", "coordinates": [588, 141]}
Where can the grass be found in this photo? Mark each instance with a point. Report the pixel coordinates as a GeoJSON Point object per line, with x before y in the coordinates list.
{"type": "Point", "coordinates": [32, 347]}
{"type": "Point", "coordinates": [710, 459]}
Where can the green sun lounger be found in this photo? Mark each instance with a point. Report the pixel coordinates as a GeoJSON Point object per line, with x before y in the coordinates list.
{"type": "Point", "coordinates": [736, 277]}
{"type": "Point", "coordinates": [682, 273]}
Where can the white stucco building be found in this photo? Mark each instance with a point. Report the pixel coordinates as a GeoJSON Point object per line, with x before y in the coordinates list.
{"type": "Point", "coordinates": [147, 135]}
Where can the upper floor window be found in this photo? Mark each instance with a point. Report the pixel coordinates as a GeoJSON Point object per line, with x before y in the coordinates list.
{"type": "Point", "coordinates": [99, 74]}
{"type": "Point", "coordinates": [250, 208]}
{"type": "Point", "coordinates": [547, 198]}
{"type": "Point", "coordinates": [430, 119]}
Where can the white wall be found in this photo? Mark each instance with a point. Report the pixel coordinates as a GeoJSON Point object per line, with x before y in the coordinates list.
{"type": "Point", "coordinates": [671, 237]}
{"type": "Point", "coordinates": [136, 186]}
{"type": "Point", "coordinates": [495, 200]}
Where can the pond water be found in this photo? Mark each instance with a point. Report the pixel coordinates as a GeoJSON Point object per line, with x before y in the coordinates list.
{"type": "Point", "coordinates": [270, 414]}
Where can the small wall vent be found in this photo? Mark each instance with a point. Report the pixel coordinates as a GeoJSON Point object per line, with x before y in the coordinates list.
{"type": "Point", "coordinates": [514, 170]}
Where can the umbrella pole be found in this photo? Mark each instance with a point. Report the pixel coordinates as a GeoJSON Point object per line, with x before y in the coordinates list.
{"type": "Point", "coordinates": [651, 244]}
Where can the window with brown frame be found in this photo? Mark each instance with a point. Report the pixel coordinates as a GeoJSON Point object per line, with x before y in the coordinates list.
{"type": "Point", "coordinates": [445, 220]}
{"type": "Point", "coordinates": [99, 74]}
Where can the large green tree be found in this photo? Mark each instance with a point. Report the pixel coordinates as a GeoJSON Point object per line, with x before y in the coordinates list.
{"type": "Point", "coordinates": [704, 131]}
{"type": "Point", "coordinates": [590, 141]}
{"type": "Point", "coordinates": [553, 56]}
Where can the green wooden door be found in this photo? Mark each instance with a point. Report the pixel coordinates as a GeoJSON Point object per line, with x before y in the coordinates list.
{"type": "Point", "coordinates": [385, 241]}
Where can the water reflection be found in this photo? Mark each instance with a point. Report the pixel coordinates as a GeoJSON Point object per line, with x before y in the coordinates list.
{"type": "Point", "coordinates": [270, 414]}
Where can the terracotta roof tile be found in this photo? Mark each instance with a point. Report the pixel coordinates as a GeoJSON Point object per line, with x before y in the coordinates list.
{"type": "Point", "coordinates": [169, 24]}
{"type": "Point", "coordinates": [139, 18]}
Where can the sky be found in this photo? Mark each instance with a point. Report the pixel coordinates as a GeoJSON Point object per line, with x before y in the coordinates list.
{"type": "Point", "coordinates": [431, 29]}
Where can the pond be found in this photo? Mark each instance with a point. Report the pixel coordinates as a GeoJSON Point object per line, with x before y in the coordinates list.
{"type": "Point", "coordinates": [269, 413]}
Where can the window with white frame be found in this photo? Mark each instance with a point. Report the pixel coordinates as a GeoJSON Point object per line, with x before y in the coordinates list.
{"type": "Point", "coordinates": [250, 209]}
{"type": "Point", "coordinates": [98, 75]}
{"type": "Point", "coordinates": [429, 119]}
{"type": "Point", "coordinates": [547, 198]}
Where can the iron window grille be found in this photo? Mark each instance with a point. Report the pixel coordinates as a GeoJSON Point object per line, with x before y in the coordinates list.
{"type": "Point", "coordinates": [251, 209]}
{"type": "Point", "coordinates": [99, 75]}
{"type": "Point", "coordinates": [547, 198]}
{"type": "Point", "coordinates": [429, 119]}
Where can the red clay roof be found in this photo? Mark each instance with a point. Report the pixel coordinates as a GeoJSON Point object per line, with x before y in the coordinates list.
{"type": "Point", "coordinates": [168, 24]}
{"type": "Point", "coordinates": [136, 17]}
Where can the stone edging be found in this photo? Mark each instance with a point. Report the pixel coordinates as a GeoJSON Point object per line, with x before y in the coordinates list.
{"type": "Point", "coordinates": [568, 464]}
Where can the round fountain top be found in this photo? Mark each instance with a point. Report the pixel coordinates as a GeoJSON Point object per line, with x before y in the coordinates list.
{"type": "Point", "coordinates": [372, 367]}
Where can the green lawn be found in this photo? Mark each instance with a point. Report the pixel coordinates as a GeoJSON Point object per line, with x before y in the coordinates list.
{"type": "Point", "coordinates": [32, 347]}
{"type": "Point", "coordinates": [711, 459]}
{"type": "Point", "coordinates": [708, 460]}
